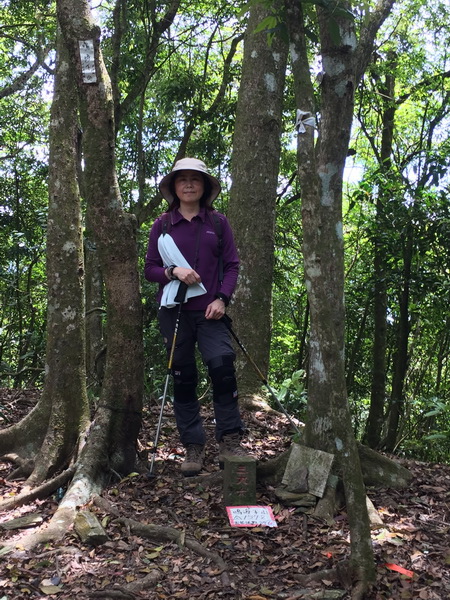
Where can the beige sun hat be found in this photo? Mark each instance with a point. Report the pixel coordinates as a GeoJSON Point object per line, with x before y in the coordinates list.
{"type": "Point", "coordinates": [191, 164]}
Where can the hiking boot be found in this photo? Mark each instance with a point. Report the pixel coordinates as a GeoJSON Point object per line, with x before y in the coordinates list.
{"type": "Point", "coordinates": [230, 445]}
{"type": "Point", "coordinates": [193, 461]}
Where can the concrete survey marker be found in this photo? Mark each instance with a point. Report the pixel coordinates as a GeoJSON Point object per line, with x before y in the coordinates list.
{"type": "Point", "coordinates": [239, 480]}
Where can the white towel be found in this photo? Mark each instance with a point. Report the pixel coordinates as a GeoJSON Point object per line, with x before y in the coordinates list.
{"type": "Point", "coordinates": [171, 255]}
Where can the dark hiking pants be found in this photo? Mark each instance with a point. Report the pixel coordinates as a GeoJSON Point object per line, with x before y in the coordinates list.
{"type": "Point", "coordinates": [213, 340]}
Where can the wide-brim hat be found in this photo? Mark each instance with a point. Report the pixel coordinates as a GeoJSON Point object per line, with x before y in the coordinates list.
{"type": "Point", "coordinates": [189, 164]}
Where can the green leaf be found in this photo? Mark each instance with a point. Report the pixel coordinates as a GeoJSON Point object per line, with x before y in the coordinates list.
{"type": "Point", "coordinates": [267, 24]}
{"type": "Point", "coordinates": [335, 33]}
{"type": "Point", "coordinates": [436, 436]}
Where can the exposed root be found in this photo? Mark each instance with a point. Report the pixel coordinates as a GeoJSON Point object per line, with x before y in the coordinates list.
{"type": "Point", "coordinates": [129, 592]}
{"type": "Point", "coordinates": [359, 590]}
{"type": "Point", "coordinates": [210, 480]}
{"type": "Point", "coordinates": [78, 494]}
{"type": "Point", "coordinates": [302, 594]}
{"type": "Point", "coordinates": [42, 491]}
{"type": "Point", "coordinates": [169, 534]}
{"type": "Point", "coordinates": [272, 471]}
{"type": "Point", "coordinates": [55, 530]}
{"type": "Point", "coordinates": [253, 402]}
{"type": "Point", "coordinates": [343, 574]}
{"type": "Point", "coordinates": [165, 534]}
{"type": "Point", "coordinates": [105, 505]}
{"type": "Point", "coordinates": [119, 593]}
{"type": "Point", "coordinates": [24, 467]}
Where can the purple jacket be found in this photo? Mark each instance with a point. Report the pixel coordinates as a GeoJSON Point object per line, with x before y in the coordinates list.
{"type": "Point", "coordinates": [197, 241]}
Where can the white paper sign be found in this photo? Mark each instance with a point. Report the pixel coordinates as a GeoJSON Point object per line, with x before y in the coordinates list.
{"type": "Point", "coordinates": [87, 57]}
{"type": "Point", "coordinates": [251, 516]}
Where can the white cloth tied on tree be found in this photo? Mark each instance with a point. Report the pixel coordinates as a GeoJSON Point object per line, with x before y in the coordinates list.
{"type": "Point", "coordinates": [304, 118]}
{"type": "Point", "coordinates": [171, 255]}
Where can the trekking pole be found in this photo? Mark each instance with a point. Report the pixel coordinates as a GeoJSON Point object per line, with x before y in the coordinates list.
{"type": "Point", "coordinates": [181, 295]}
{"type": "Point", "coordinates": [227, 320]}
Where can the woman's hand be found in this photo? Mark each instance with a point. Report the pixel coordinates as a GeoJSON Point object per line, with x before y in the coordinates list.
{"type": "Point", "coordinates": [187, 276]}
{"type": "Point", "coordinates": [215, 310]}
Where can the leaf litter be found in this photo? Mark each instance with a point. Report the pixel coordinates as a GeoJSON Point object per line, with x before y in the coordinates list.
{"type": "Point", "coordinates": [412, 548]}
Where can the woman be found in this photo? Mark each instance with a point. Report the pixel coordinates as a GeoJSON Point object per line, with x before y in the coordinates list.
{"type": "Point", "coordinates": [209, 266]}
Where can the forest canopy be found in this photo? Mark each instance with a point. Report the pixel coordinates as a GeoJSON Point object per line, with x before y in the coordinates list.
{"type": "Point", "coordinates": [175, 73]}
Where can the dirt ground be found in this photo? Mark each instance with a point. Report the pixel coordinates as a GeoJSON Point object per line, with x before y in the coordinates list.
{"type": "Point", "coordinates": [211, 559]}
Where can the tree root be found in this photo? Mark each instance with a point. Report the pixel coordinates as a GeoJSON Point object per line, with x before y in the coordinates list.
{"type": "Point", "coordinates": [253, 402]}
{"type": "Point", "coordinates": [42, 491]}
{"type": "Point", "coordinates": [321, 594]}
{"type": "Point", "coordinates": [119, 593]}
{"type": "Point", "coordinates": [105, 505]}
{"type": "Point", "coordinates": [23, 466]}
{"type": "Point", "coordinates": [359, 590]}
{"type": "Point", "coordinates": [169, 534]}
{"type": "Point", "coordinates": [129, 592]}
{"type": "Point", "coordinates": [343, 574]}
{"type": "Point", "coordinates": [80, 491]}
{"type": "Point", "coordinates": [206, 481]}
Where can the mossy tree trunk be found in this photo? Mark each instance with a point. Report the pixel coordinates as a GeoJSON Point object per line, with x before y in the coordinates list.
{"type": "Point", "coordinates": [45, 439]}
{"type": "Point", "coordinates": [320, 167]}
{"type": "Point", "coordinates": [54, 436]}
{"type": "Point", "coordinates": [108, 448]}
{"type": "Point", "coordinates": [120, 402]}
{"type": "Point", "coordinates": [255, 164]}
{"type": "Point", "coordinates": [375, 420]}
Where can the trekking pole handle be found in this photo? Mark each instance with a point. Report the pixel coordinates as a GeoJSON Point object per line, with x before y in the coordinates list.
{"type": "Point", "coordinates": [181, 293]}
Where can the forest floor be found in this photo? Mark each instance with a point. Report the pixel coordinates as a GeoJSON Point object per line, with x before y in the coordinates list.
{"type": "Point", "coordinates": [412, 548]}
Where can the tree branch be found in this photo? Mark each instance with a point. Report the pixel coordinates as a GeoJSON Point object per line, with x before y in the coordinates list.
{"type": "Point", "coordinates": [148, 67]}
{"type": "Point", "coordinates": [169, 534]}
{"type": "Point", "coordinates": [22, 79]}
{"type": "Point", "coordinates": [367, 36]}
{"type": "Point", "coordinates": [427, 82]}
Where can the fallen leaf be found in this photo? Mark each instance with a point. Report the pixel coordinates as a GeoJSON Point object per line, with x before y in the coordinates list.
{"type": "Point", "coordinates": [50, 589]}
{"type": "Point", "coordinates": [266, 591]}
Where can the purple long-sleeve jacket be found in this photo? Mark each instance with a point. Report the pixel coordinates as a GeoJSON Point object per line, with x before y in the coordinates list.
{"type": "Point", "coordinates": [197, 241]}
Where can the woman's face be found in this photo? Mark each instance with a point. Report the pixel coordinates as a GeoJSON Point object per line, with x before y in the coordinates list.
{"type": "Point", "coordinates": [189, 187]}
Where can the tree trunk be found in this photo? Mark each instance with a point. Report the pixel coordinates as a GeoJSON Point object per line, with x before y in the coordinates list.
{"type": "Point", "coordinates": [120, 403]}
{"type": "Point", "coordinates": [303, 356]}
{"type": "Point", "coordinates": [356, 349]}
{"type": "Point", "coordinates": [396, 404]}
{"type": "Point", "coordinates": [375, 420]}
{"type": "Point", "coordinates": [255, 163]}
{"type": "Point", "coordinates": [48, 435]}
{"type": "Point", "coordinates": [95, 343]}
{"type": "Point", "coordinates": [110, 445]}
{"type": "Point", "coordinates": [320, 170]}
{"type": "Point", "coordinates": [442, 356]}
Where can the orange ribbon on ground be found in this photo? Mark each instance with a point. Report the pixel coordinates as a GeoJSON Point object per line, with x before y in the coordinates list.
{"type": "Point", "coordinates": [399, 569]}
